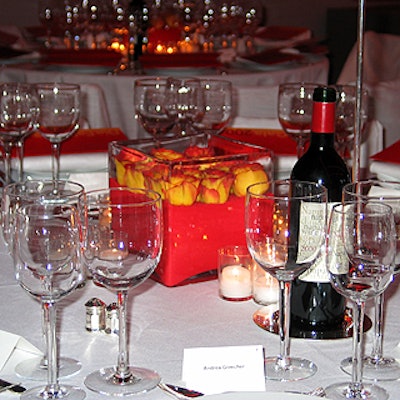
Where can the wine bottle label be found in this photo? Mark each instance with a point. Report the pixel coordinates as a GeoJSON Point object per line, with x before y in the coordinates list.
{"type": "Point", "coordinates": [310, 234]}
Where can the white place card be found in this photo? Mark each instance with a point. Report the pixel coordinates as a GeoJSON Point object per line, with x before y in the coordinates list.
{"type": "Point", "coordinates": [212, 370]}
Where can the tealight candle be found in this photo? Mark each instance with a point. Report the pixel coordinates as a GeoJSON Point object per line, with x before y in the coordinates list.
{"type": "Point", "coordinates": [234, 272]}
{"type": "Point", "coordinates": [265, 287]}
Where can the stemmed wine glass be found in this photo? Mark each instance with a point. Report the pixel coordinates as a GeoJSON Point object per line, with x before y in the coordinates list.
{"type": "Point", "coordinates": [58, 119]}
{"type": "Point", "coordinates": [295, 104]}
{"type": "Point", "coordinates": [150, 107]}
{"type": "Point", "coordinates": [185, 103]}
{"type": "Point", "coordinates": [48, 266]}
{"type": "Point", "coordinates": [217, 106]}
{"type": "Point", "coordinates": [361, 245]}
{"type": "Point", "coordinates": [377, 366]}
{"type": "Point", "coordinates": [122, 247]}
{"type": "Point", "coordinates": [18, 113]}
{"type": "Point", "coordinates": [285, 230]}
{"type": "Point", "coordinates": [345, 117]}
{"type": "Point", "coordinates": [14, 196]}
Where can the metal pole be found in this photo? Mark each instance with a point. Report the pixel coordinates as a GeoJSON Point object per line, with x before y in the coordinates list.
{"type": "Point", "coordinates": [356, 173]}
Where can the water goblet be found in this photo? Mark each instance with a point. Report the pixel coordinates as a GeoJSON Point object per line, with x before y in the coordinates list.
{"type": "Point", "coordinates": [122, 247]}
{"type": "Point", "coordinates": [58, 119]}
{"type": "Point", "coordinates": [150, 107]}
{"type": "Point", "coordinates": [14, 196]}
{"type": "Point", "coordinates": [377, 366]}
{"type": "Point", "coordinates": [361, 245]}
{"type": "Point", "coordinates": [345, 117]}
{"type": "Point", "coordinates": [48, 266]}
{"type": "Point", "coordinates": [285, 230]}
{"type": "Point", "coordinates": [217, 106]}
{"type": "Point", "coordinates": [185, 103]}
{"type": "Point", "coordinates": [295, 104]}
{"type": "Point", "coordinates": [18, 113]}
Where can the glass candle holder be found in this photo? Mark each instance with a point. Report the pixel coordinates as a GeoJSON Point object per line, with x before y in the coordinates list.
{"type": "Point", "coordinates": [235, 273]}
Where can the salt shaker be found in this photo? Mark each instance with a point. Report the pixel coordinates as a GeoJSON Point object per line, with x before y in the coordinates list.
{"type": "Point", "coordinates": [112, 318]}
{"type": "Point", "coordinates": [95, 315]}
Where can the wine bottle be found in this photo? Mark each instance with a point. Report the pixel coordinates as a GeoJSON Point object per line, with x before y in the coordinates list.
{"type": "Point", "coordinates": [317, 310]}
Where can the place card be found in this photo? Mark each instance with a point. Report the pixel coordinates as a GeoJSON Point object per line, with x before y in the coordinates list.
{"type": "Point", "coordinates": [212, 370]}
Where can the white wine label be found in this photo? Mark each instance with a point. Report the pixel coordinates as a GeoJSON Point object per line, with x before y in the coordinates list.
{"type": "Point", "coordinates": [311, 239]}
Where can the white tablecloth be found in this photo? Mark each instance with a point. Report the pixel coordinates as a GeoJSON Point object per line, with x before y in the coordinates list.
{"type": "Point", "coordinates": [118, 90]}
{"type": "Point", "coordinates": [164, 321]}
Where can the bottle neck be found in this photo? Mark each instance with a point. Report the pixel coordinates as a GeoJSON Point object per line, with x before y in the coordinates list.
{"type": "Point", "coordinates": [323, 117]}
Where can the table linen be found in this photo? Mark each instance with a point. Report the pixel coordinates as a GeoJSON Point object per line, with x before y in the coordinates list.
{"type": "Point", "coordinates": [164, 321]}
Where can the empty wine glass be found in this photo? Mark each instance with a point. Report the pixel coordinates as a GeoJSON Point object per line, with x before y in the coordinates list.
{"type": "Point", "coordinates": [185, 103]}
{"type": "Point", "coordinates": [48, 266]}
{"type": "Point", "coordinates": [150, 107]}
{"type": "Point", "coordinates": [18, 113]}
{"type": "Point", "coordinates": [14, 196]}
{"type": "Point", "coordinates": [285, 230]}
{"type": "Point", "coordinates": [122, 247]}
{"type": "Point", "coordinates": [377, 366]}
{"type": "Point", "coordinates": [295, 105]}
{"type": "Point", "coordinates": [361, 245]}
{"type": "Point", "coordinates": [345, 117]}
{"type": "Point", "coordinates": [58, 119]}
{"type": "Point", "coordinates": [217, 106]}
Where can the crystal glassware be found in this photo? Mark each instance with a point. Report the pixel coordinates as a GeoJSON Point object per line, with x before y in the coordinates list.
{"type": "Point", "coordinates": [18, 114]}
{"type": "Point", "coordinates": [295, 104]}
{"type": "Point", "coordinates": [47, 258]}
{"type": "Point", "coordinates": [377, 366]}
{"type": "Point", "coordinates": [59, 110]}
{"type": "Point", "coordinates": [361, 245]}
{"type": "Point", "coordinates": [285, 230]}
{"type": "Point", "coordinates": [217, 106]}
{"type": "Point", "coordinates": [150, 107]}
{"type": "Point", "coordinates": [14, 196]}
{"type": "Point", "coordinates": [122, 247]}
{"type": "Point", "coordinates": [185, 103]}
{"type": "Point", "coordinates": [345, 117]}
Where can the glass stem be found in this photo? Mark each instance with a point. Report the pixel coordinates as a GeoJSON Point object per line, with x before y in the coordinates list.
{"type": "Point", "coordinates": [284, 323]}
{"type": "Point", "coordinates": [49, 310]}
{"type": "Point", "coordinates": [301, 146]}
{"type": "Point", "coordinates": [356, 385]}
{"type": "Point", "coordinates": [55, 163]}
{"type": "Point", "coordinates": [20, 155]}
{"type": "Point", "coordinates": [7, 162]}
{"type": "Point", "coordinates": [44, 362]}
{"type": "Point", "coordinates": [123, 373]}
{"type": "Point", "coordinates": [377, 352]}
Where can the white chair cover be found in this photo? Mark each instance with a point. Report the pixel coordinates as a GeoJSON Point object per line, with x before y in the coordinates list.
{"type": "Point", "coordinates": [381, 76]}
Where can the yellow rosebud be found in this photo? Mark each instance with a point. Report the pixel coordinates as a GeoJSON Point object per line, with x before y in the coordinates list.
{"type": "Point", "coordinates": [215, 187]}
{"type": "Point", "coordinates": [182, 190]}
{"type": "Point", "coordinates": [120, 172]}
{"type": "Point", "coordinates": [246, 175]}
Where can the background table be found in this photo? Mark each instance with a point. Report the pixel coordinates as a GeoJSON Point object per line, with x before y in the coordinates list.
{"type": "Point", "coordinates": [118, 90]}
{"type": "Point", "coordinates": [164, 321]}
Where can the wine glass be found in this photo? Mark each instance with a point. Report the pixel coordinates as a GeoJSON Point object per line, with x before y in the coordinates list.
{"type": "Point", "coordinates": [14, 196]}
{"type": "Point", "coordinates": [122, 247]}
{"type": "Point", "coordinates": [59, 108]}
{"type": "Point", "coordinates": [345, 117]}
{"type": "Point", "coordinates": [217, 106]}
{"type": "Point", "coordinates": [18, 113]}
{"type": "Point", "coordinates": [295, 105]}
{"type": "Point", "coordinates": [185, 103]}
{"type": "Point", "coordinates": [47, 258]}
{"type": "Point", "coordinates": [150, 107]}
{"type": "Point", "coordinates": [377, 366]}
{"type": "Point", "coordinates": [285, 230]}
{"type": "Point", "coordinates": [361, 245]}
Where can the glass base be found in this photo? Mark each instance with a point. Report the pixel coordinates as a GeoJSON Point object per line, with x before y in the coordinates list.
{"type": "Point", "coordinates": [103, 381]}
{"type": "Point", "coordinates": [36, 369]}
{"type": "Point", "coordinates": [65, 392]}
{"type": "Point", "coordinates": [298, 369]}
{"type": "Point", "coordinates": [342, 391]}
{"type": "Point", "coordinates": [384, 369]}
